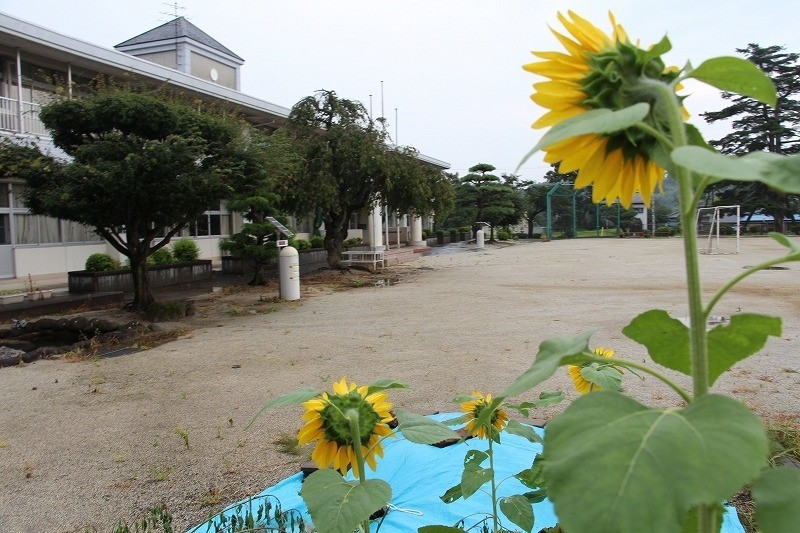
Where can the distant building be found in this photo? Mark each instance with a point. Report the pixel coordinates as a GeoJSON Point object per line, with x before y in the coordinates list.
{"type": "Point", "coordinates": [35, 62]}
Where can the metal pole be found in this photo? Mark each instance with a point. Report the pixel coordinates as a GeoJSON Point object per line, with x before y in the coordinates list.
{"type": "Point", "coordinates": [574, 215]}
{"type": "Point", "coordinates": [396, 136]}
{"type": "Point", "coordinates": [386, 214]}
{"type": "Point", "coordinates": [382, 115]}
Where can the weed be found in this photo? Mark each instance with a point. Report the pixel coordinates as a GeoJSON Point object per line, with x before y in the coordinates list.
{"type": "Point", "coordinates": [3, 444]}
{"type": "Point", "coordinates": [27, 470]}
{"type": "Point", "coordinates": [784, 436]}
{"type": "Point", "coordinates": [230, 422]}
{"type": "Point", "coordinates": [165, 311]}
{"type": "Point", "coordinates": [288, 443]}
{"type": "Point", "coordinates": [120, 458]}
{"type": "Point", "coordinates": [210, 497]}
{"type": "Point", "coordinates": [240, 443]}
{"type": "Point", "coordinates": [183, 434]}
{"type": "Point", "coordinates": [357, 282]}
{"type": "Point", "coordinates": [791, 370]}
{"type": "Point", "coordinates": [219, 431]}
{"type": "Point", "coordinates": [157, 519]}
{"type": "Point", "coordinates": [160, 474]}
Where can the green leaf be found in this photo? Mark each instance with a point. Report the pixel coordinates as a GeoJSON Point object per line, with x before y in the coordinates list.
{"type": "Point", "coordinates": [594, 121]}
{"type": "Point", "coordinates": [452, 494]}
{"type": "Point", "coordinates": [422, 430]}
{"type": "Point", "coordinates": [536, 496]}
{"type": "Point", "coordinates": [604, 376]}
{"type": "Point", "coordinates": [552, 354]}
{"type": "Point", "coordinates": [691, 523]}
{"type": "Point", "coordinates": [474, 476]}
{"type": "Point", "coordinates": [295, 397]}
{"type": "Point", "coordinates": [521, 430]}
{"type": "Point", "coordinates": [532, 477]}
{"type": "Point", "coordinates": [440, 529]}
{"type": "Point", "coordinates": [614, 464]}
{"type": "Point", "coordinates": [667, 340]}
{"type": "Point", "coordinates": [777, 496]}
{"type": "Point", "coordinates": [519, 510]}
{"type": "Point", "coordinates": [658, 49]}
{"type": "Point", "coordinates": [745, 335]}
{"type": "Point", "coordinates": [339, 506]}
{"type": "Point", "coordinates": [736, 75]}
{"type": "Point", "coordinates": [783, 240]}
{"type": "Point", "coordinates": [545, 399]}
{"type": "Point", "coordinates": [777, 171]}
{"type": "Point", "coordinates": [385, 384]}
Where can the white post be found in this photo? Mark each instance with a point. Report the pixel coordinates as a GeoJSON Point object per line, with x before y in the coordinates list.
{"type": "Point", "coordinates": [376, 228]}
{"type": "Point", "coordinates": [416, 231]}
{"type": "Point", "coordinates": [289, 273]}
{"type": "Point", "coordinates": [479, 239]}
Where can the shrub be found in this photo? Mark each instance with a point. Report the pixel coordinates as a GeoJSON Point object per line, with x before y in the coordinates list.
{"type": "Point", "coordinates": [463, 229]}
{"type": "Point", "coordinates": [663, 231]}
{"type": "Point", "coordinates": [426, 233]}
{"type": "Point", "coordinates": [185, 250]}
{"type": "Point", "coordinates": [536, 236]}
{"type": "Point", "coordinates": [503, 235]}
{"type": "Point", "coordinates": [355, 241]}
{"type": "Point", "coordinates": [100, 262]}
{"type": "Point", "coordinates": [317, 242]}
{"type": "Point", "coordinates": [300, 244]}
{"type": "Point", "coordinates": [726, 230]}
{"type": "Point", "coordinates": [162, 256]}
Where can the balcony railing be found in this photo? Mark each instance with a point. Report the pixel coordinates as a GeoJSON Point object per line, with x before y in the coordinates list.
{"type": "Point", "coordinates": [9, 117]}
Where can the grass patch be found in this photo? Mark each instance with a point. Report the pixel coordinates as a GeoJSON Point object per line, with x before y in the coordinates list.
{"type": "Point", "coordinates": [287, 443]}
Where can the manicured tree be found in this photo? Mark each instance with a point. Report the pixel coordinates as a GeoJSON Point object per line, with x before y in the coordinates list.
{"type": "Point", "coordinates": [344, 165]}
{"type": "Point", "coordinates": [256, 242]}
{"type": "Point", "coordinates": [142, 167]}
{"type": "Point", "coordinates": [494, 201]}
{"type": "Point", "coordinates": [348, 164]}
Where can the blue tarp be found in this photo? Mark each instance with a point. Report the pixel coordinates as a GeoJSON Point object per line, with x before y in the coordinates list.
{"type": "Point", "coordinates": [419, 474]}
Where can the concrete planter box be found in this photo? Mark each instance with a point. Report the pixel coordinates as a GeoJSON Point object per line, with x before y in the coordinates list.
{"type": "Point", "coordinates": [81, 281]}
{"type": "Point", "coordinates": [310, 260]}
{"type": "Point", "coordinates": [8, 299]}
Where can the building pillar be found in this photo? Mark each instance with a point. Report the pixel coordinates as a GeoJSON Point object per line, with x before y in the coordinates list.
{"type": "Point", "coordinates": [375, 228]}
{"type": "Point", "coordinates": [416, 232]}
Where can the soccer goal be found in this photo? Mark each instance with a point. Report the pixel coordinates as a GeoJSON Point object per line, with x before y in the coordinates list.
{"type": "Point", "coordinates": [718, 229]}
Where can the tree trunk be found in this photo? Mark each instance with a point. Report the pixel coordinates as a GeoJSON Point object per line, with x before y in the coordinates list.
{"type": "Point", "coordinates": [335, 237]}
{"type": "Point", "coordinates": [530, 227]}
{"type": "Point", "coordinates": [259, 273]}
{"type": "Point", "coordinates": [142, 296]}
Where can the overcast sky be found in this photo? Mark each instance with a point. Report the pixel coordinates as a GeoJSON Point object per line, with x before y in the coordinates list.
{"type": "Point", "coordinates": [451, 68]}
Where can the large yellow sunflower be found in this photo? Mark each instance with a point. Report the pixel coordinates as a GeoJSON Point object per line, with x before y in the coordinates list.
{"type": "Point", "coordinates": [327, 423]}
{"type": "Point", "coordinates": [599, 71]}
{"type": "Point", "coordinates": [473, 409]}
{"type": "Point", "coordinates": [581, 385]}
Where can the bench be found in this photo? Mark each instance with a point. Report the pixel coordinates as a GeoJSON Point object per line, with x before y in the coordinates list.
{"type": "Point", "coordinates": [363, 257]}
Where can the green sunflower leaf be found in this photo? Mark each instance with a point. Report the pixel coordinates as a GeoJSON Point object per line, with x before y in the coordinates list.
{"type": "Point", "coordinates": [521, 430]}
{"type": "Point", "coordinates": [440, 529]}
{"type": "Point", "coordinates": [783, 240]}
{"type": "Point", "coordinates": [614, 464]}
{"type": "Point", "coordinates": [533, 477]}
{"type": "Point", "coordinates": [474, 475]}
{"type": "Point", "coordinates": [606, 377]}
{"type": "Point", "coordinates": [452, 494]}
{"type": "Point", "coordinates": [595, 121]}
{"type": "Point", "coordinates": [736, 75]}
{"type": "Point", "coordinates": [518, 510]}
{"type": "Point", "coordinates": [667, 340]}
{"type": "Point", "coordinates": [295, 397]}
{"type": "Point", "coordinates": [777, 171]}
{"type": "Point", "coordinates": [422, 430]}
{"type": "Point", "coordinates": [384, 384]}
{"type": "Point", "coordinates": [553, 353]}
{"type": "Point", "coordinates": [545, 399]}
{"type": "Point", "coordinates": [777, 496]}
{"type": "Point", "coordinates": [339, 506]}
{"type": "Point", "coordinates": [658, 49]}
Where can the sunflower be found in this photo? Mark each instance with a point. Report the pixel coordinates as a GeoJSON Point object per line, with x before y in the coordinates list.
{"type": "Point", "coordinates": [474, 408]}
{"type": "Point", "coordinates": [580, 383]}
{"type": "Point", "coordinates": [600, 71]}
{"type": "Point", "coordinates": [328, 424]}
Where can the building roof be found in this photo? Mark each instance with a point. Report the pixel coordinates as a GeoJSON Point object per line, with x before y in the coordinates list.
{"type": "Point", "coordinates": [175, 29]}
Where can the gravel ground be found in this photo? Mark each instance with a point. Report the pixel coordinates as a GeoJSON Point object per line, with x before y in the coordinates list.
{"type": "Point", "coordinates": [84, 444]}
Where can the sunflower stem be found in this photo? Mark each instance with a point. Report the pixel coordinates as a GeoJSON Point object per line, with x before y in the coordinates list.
{"type": "Point", "coordinates": [625, 363]}
{"type": "Point", "coordinates": [355, 431]}
{"type": "Point", "coordinates": [689, 196]}
{"type": "Point", "coordinates": [494, 486]}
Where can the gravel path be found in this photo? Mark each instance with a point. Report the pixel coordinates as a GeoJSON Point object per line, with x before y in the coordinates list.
{"type": "Point", "coordinates": [85, 444]}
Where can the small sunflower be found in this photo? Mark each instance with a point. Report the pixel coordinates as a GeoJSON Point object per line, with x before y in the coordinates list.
{"type": "Point", "coordinates": [327, 423]}
{"type": "Point", "coordinates": [473, 409]}
{"type": "Point", "coordinates": [581, 385]}
{"type": "Point", "coordinates": [599, 71]}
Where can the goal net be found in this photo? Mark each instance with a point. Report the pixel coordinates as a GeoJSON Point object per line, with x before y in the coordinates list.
{"type": "Point", "coordinates": [718, 229]}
